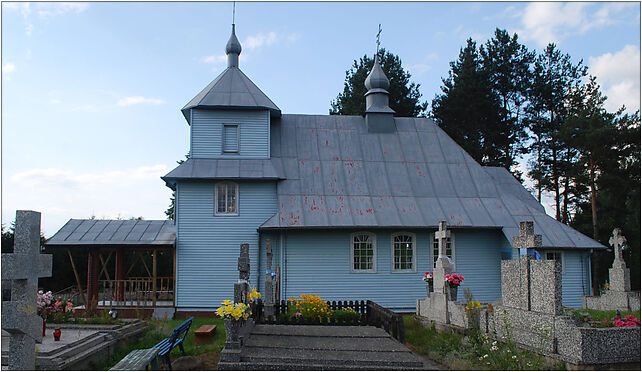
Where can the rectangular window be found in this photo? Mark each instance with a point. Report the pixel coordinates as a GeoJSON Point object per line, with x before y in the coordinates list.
{"type": "Point", "coordinates": [230, 138]}
{"type": "Point", "coordinates": [363, 252]}
{"type": "Point", "coordinates": [449, 250]}
{"type": "Point", "coordinates": [403, 246]}
{"type": "Point", "coordinates": [226, 196]}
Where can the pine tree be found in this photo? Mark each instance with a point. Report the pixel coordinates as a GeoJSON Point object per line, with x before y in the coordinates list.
{"type": "Point", "coordinates": [170, 212]}
{"type": "Point", "coordinates": [404, 96]}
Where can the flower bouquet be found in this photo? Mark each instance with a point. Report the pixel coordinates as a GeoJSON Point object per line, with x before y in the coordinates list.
{"type": "Point", "coordinates": [233, 316]}
{"type": "Point", "coordinates": [428, 278]}
{"type": "Point", "coordinates": [453, 281]}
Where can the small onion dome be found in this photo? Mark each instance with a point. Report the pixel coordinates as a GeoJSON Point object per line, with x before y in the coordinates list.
{"type": "Point", "coordinates": [233, 44]}
{"type": "Point", "coordinates": [377, 78]}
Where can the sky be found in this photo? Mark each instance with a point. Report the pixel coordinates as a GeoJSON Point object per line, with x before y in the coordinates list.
{"type": "Point", "coordinates": [92, 92]}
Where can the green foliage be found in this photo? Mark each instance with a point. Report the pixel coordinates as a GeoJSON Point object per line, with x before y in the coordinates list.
{"type": "Point", "coordinates": [159, 330]}
{"type": "Point", "coordinates": [345, 315]}
{"type": "Point", "coordinates": [404, 96]}
{"type": "Point", "coordinates": [472, 351]}
{"type": "Point", "coordinates": [171, 210]}
{"type": "Point", "coordinates": [603, 314]}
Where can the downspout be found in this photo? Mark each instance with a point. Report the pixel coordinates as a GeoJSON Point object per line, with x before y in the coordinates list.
{"type": "Point", "coordinates": [284, 271]}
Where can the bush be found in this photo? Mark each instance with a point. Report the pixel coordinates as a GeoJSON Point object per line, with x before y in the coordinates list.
{"type": "Point", "coordinates": [345, 315]}
{"type": "Point", "coordinates": [308, 308]}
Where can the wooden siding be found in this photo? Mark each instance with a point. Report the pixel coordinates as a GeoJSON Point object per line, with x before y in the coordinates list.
{"type": "Point", "coordinates": [207, 128]}
{"type": "Point", "coordinates": [208, 245]}
{"type": "Point", "coordinates": [575, 278]}
{"type": "Point", "coordinates": [319, 263]}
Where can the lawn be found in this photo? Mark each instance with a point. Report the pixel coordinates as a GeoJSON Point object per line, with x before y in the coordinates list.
{"type": "Point", "coordinates": [472, 351]}
{"type": "Point", "coordinates": [159, 330]}
{"type": "Point", "coordinates": [604, 314]}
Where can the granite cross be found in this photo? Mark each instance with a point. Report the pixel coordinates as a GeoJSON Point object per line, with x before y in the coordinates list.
{"type": "Point", "coordinates": [23, 267]}
{"type": "Point", "coordinates": [241, 287]}
{"type": "Point", "coordinates": [444, 265]}
{"type": "Point", "coordinates": [617, 241]}
{"type": "Point", "coordinates": [442, 237]}
{"type": "Point", "coordinates": [526, 239]}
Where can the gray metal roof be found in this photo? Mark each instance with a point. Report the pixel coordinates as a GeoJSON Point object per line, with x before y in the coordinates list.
{"type": "Point", "coordinates": [114, 232]}
{"type": "Point", "coordinates": [267, 169]}
{"type": "Point", "coordinates": [231, 90]}
{"type": "Point", "coordinates": [338, 175]}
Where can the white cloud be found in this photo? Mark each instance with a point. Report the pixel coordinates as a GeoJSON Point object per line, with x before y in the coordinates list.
{"type": "Point", "coordinates": [135, 100]}
{"type": "Point", "coordinates": [619, 74]}
{"type": "Point", "coordinates": [88, 108]}
{"type": "Point", "coordinates": [547, 22]}
{"type": "Point", "coordinates": [8, 68]}
{"type": "Point", "coordinates": [55, 101]}
{"type": "Point", "coordinates": [214, 59]}
{"type": "Point", "coordinates": [424, 65]}
{"type": "Point", "coordinates": [61, 194]}
{"type": "Point", "coordinates": [52, 9]}
{"type": "Point", "coordinates": [260, 39]}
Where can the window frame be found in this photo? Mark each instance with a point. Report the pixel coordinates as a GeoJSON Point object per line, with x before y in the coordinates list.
{"type": "Point", "coordinates": [452, 250]}
{"type": "Point", "coordinates": [561, 253]}
{"type": "Point", "coordinates": [373, 237]}
{"type": "Point", "coordinates": [236, 199]}
{"type": "Point", "coordinates": [413, 268]}
{"type": "Point", "coordinates": [238, 139]}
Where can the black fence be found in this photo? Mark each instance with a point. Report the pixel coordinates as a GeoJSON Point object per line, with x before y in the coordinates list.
{"type": "Point", "coordinates": [369, 314]}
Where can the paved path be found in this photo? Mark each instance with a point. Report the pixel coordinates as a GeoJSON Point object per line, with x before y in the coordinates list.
{"type": "Point", "coordinates": [299, 347]}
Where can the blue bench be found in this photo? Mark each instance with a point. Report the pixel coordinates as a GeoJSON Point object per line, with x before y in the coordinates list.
{"type": "Point", "coordinates": [176, 339]}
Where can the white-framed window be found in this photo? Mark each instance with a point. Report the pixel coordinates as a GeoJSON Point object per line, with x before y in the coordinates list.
{"type": "Point", "coordinates": [363, 252]}
{"type": "Point", "coordinates": [226, 201]}
{"type": "Point", "coordinates": [450, 249]}
{"type": "Point", "coordinates": [404, 252]}
{"type": "Point", "coordinates": [555, 255]}
{"type": "Point", "coordinates": [230, 138]}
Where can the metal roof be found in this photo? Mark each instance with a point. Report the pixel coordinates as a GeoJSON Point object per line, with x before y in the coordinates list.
{"type": "Point", "coordinates": [114, 232]}
{"type": "Point", "coordinates": [266, 169]}
{"type": "Point", "coordinates": [339, 175]}
{"type": "Point", "coordinates": [231, 90]}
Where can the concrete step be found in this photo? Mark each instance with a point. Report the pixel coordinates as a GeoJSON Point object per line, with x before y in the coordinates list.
{"type": "Point", "coordinates": [326, 343]}
{"type": "Point", "coordinates": [249, 366]}
{"type": "Point", "coordinates": [335, 358]}
{"type": "Point", "coordinates": [319, 331]}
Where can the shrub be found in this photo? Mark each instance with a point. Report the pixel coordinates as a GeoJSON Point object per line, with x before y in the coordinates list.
{"type": "Point", "coordinates": [345, 315]}
{"type": "Point", "coordinates": [308, 308]}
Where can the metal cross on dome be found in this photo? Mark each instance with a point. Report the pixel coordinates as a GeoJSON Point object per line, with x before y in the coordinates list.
{"type": "Point", "coordinates": [378, 36]}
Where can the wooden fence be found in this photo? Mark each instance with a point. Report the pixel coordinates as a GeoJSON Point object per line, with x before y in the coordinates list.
{"type": "Point", "coordinates": [137, 292]}
{"type": "Point", "coordinates": [370, 313]}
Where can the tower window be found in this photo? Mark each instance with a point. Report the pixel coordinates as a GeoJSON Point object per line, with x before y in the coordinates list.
{"type": "Point", "coordinates": [226, 198]}
{"type": "Point", "coordinates": [230, 138]}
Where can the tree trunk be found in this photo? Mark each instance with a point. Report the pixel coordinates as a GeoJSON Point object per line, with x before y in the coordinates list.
{"type": "Point", "coordinates": [593, 196]}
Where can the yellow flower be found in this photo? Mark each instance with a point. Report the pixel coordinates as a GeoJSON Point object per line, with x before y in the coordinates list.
{"type": "Point", "coordinates": [220, 312]}
{"type": "Point", "coordinates": [226, 302]}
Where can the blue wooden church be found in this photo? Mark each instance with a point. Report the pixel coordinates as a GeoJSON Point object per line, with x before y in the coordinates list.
{"type": "Point", "coordinates": [350, 203]}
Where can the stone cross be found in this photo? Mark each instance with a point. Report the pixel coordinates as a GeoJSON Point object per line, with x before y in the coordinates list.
{"type": "Point", "coordinates": [269, 285]}
{"type": "Point", "coordinates": [23, 267]}
{"type": "Point", "coordinates": [241, 287]}
{"type": "Point", "coordinates": [619, 274]}
{"type": "Point", "coordinates": [444, 265]}
{"type": "Point", "coordinates": [527, 238]}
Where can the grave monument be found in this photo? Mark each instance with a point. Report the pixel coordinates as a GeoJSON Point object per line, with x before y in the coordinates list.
{"type": "Point", "coordinates": [619, 295]}
{"type": "Point", "coordinates": [269, 284]}
{"type": "Point", "coordinates": [23, 267]}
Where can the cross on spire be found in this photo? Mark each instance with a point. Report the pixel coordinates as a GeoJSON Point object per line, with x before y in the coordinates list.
{"type": "Point", "coordinates": [233, 12]}
{"type": "Point", "coordinates": [378, 39]}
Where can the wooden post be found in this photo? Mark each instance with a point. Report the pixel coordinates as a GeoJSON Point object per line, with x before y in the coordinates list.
{"type": "Point", "coordinates": [174, 278]}
{"type": "Point", "coordinates": [92, 276]}
{"type": "Point", "coordinates": [120, 271]}
{"type": "Point", "coordinates": [154, 277]}
{"type": "Point", "coordinates": [73, 267]}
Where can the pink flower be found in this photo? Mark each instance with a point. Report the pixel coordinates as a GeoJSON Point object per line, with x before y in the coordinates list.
{"type": "Point", "coordinates": [456, 281]}
{"type": "Point", "coordinates": [461, 277]}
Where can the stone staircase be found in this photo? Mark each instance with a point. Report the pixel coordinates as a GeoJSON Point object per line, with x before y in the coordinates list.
{"type": "Point", "coordinates": [300, 347]}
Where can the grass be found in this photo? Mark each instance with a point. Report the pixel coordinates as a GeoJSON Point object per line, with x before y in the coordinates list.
{"type": "Point", "coordinates": [603, 314]}
{"type": "Point", "coordinates": [472, 351]}
{"type": "Point", "coordinates": [159, 330]}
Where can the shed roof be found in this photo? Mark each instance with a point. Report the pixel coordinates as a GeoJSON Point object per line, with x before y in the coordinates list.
{"type": "Point", "coordinates": [114, 232]}
{"type": "Point", "coordinates": [339, 175]}
{"type": "Point", "coordinates": [231, 89]}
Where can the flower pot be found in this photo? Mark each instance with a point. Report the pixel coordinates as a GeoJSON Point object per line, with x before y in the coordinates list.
{"type": "Point", "coordinates": [44, 326]}
{"type": "Point", "coordinates": [429, 288]}
{"type": "Point", "coordinates": [453, 293]}
{"type": "Point", "coordinates": [232, 331]}
{"type": "Point", "coordinates": [56, 334]}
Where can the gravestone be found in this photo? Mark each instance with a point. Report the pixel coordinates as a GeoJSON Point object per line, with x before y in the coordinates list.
{"type": "Point", "coordinates": [516, 281]}
{"type": "Point", "coordinates": [444, 265]}
{"type": "Point", "coordinates": [241, 287]}
{"type": "Point", "coordinates": [23, 267]}
{"type": "Point", "coordinates": [619, 274]}
{"type": "Point", "coordinates": [269, 285]}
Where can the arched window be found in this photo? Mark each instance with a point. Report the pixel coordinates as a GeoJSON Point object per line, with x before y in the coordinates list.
{"type": "Point", "coordinates": [363, 252]}
{"type": "Point", "coordinates": [403, 252]}
{"type": "Point", "coordinates": [226, 198]}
